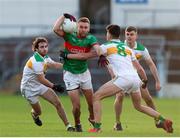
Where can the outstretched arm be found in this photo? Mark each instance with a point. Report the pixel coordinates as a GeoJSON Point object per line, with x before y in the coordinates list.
{"type": "Point", "coordinates": [55, 65]}
{"type": "Point", "coordinates": [98, 49]}
{"type": "Point", "coordinates": [41, 78]}
{"type": "Point", "coordinates": [154, 72]}
{"type": "Point", "coordinates": [141, 72]}
{"type": "Point", "coordinates": [56, 87]}
{"type": "Point", "coordinates": [79, 56]}
{"type": "Point", "coordinates": [83, 56]}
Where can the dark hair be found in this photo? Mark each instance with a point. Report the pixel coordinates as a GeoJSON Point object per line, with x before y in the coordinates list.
{"type": "Point", "coordinates": [114, 30]}
{"type": "Point", "coordinates": [84, 19]}
{"type": "Point", "coordinates": [131, 28]}
{"type": "Point", "coordinates": [36, 42]}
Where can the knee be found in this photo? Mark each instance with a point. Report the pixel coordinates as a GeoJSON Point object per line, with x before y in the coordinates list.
{"type": "Point", "coordinates": [57, 104]}
{"type": "Point", "coordinates": [119, 98]}
{"type": "Point", "coordinates": [76, 107]}
{"type": "Point", "coordinates": [138, 107]}
{"type": "Point", "coordinates": [96, 97]}
{"type": "Point", "coordinates": [76, 110]}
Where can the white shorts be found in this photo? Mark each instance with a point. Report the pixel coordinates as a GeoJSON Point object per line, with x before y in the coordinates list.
{"type": "Point", "coordinates": [74, 81]}
{"type": "Point", "coordinates": [128, 84]}
{"type": "Point", "coordinates": [33, 95]}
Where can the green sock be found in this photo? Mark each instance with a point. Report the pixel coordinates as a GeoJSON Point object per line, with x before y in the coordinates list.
{"type": "Point", "coordinates": [160, 118]}
{"type": "Point", "coordinates": [97, 125]}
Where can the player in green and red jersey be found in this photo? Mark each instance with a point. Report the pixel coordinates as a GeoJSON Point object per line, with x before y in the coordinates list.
{"type": "Point", "coordinates": [76, 74]}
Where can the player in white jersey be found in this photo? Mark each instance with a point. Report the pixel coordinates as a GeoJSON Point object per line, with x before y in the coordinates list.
{"type": "Point", "coordinates": [141, 53]}
{"type": "Point", "coordinates": [122, 62]}
{"type": "Point", "coordinates": [34, 83]}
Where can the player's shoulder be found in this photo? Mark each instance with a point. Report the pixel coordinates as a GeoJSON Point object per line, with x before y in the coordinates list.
{"type": "Point", "coordinates": [107, 43]}
{"type": "Point", "coordinates": [90, 36]}
{"type": "Point", "coordinates": [140, 47]}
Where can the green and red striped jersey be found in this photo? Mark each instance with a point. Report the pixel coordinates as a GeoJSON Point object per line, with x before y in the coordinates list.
{"type": "Point", "coordinates": [75, 44]}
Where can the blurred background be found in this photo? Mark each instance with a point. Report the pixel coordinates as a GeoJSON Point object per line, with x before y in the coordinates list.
{"type": "Point", "coordinates": [158, 22]}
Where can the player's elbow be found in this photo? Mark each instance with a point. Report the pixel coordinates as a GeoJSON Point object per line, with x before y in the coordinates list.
{"type": "Point", "coordinates": [55, 30]}
{"type": "Point", "coordinates": [58, 32]}
{"type": "Point", "coordinates": [58, 65]}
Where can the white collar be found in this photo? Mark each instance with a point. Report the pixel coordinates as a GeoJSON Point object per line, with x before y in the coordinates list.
{"type": "Point", "coordinates": [116, 40]}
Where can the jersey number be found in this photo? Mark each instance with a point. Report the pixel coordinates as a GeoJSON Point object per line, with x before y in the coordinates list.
{"type": "Point", "coordinates": [121, 50]}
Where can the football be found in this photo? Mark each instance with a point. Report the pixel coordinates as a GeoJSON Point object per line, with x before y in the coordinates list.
{"type": "Point", "coordinates": [69, 26]}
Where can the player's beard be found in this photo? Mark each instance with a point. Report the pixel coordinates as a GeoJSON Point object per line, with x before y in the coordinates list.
{"type": "Point", "coordinates": [43, 53]}
{"type": "Point", "coordinates": [83, 34]}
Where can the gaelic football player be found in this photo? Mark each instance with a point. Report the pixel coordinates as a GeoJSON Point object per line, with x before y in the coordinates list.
{"type": "Point", "coordinates": [35, 85]}
{"type": "Point", "coordinates": [76, 73]}
{"type": "Point", "coordinates": [122, 61]}
{"type": "Point", "coordinates": [141, 53]}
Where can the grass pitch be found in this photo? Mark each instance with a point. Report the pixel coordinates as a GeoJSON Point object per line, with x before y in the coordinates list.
{"type": "Point", "coordinates": [15, 119]}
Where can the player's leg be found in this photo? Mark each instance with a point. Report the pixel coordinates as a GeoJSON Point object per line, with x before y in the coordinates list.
{"type": "Point", "coordinates": [34, 102]}
{"type": "Point", "coordinates": [149, 102]}
{"type": "Point", "coordinates": [36, 112]}
{"type": "Point", "coordinates": [125, 84]}
{"type": "Point", "coordinates": [136, 99]}
{"type": "Point", "coordinates": [72, 83]}
{"type": "Point", "coordinates": [75, 99]}
{"type": "Point", "coordinates": [51, 97]}
{"type": "Point", "coordinates": [106, 90]}
{"type": "Point", "coordinates": [88, 93]}
{"type": "Point", "coordinates": [87, 89]}
{"type": "Point", "coordinates": [147, 98]}
{"type": "Point", "coordinates": [118, 109]}
{"type": "Point", "coordinates": [118, 84]}
{"type": "Point", "coordinates": [36, 109]}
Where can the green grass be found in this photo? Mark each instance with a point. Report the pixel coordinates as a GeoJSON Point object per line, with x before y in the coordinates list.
{"type": "Point", "coordinates": [15, 119]}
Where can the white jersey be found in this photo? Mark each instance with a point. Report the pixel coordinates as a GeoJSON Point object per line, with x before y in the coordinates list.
{"type": "Point", "coordinates": [120, 58]}
{"type": "Point", "coordinates": [140, 51]}
{"type": "Point", "coordinates": [34, 66]}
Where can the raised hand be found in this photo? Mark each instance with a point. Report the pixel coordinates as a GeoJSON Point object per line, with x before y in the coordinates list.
{"type": "Point", "coordinates": [102, 61]}
{"type": "Point", "coordinates": [58, 88]}
{"type": "Point", "coordinates": [69, 16]}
